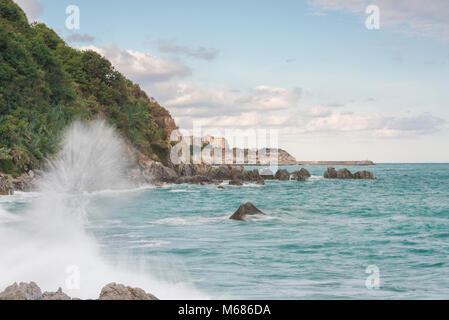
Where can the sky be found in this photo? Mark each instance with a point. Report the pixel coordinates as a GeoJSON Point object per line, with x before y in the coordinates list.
{"type": "Point", "coordinates": [333, 88]}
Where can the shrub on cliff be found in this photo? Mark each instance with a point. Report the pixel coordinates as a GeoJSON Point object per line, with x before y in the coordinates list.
{"type": "Point", "coordinates": [45, 84]}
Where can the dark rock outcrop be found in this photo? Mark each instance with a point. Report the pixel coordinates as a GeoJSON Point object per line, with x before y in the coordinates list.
{"type": "Point", "coordinates": [344, 174]}
{"type": "Point", "coordinates": [25, 182]}
{"type": "Point", "coordinates": [236, 182]}
{"type": "Point", "coordinates": [188, 173]}
{"type": "Point", "coordinates": [260, 182]}
{"type": "Point", "coordinates": [364, 175]}
{"type": "Point", "coordinates": [114, 291]}
{"type": "Point", "coordinates": [255, 175]}
{"type": "Point", "coordinates": [305, 173]}
{"type": "Point", "coordinates": [223, 172]}
{"type": "Point", "coordinates": [301, 175]}
{"type": "Point", "coordinates": [6, 185]}
{"type": "Point", "coordinates": [201, 180]}
{"type": "Point", "coordinates": [247, 209]}
{"type": "Point", "coordinates": [331, 173]}
{"type": "Point", "coordinates": [154, 171]}
{"type": "Point", "coordinates": [282, 175]}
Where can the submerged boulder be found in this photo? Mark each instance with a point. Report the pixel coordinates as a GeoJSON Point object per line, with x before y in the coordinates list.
{"type": "Point", "coordinates": [344, 174]}
{"type": "Point", "coordinates": [114, 291]}
{"type": "Point", "coordinates": [244, 210]}
{"type": "Point", "coordinates": [22, 291]}
{"type": "Point", "coordinates": [364, 175]}
{"type": "Point", "coordinates": [282, 175]}
{"type": "Point", "coordinates": [331, 173]}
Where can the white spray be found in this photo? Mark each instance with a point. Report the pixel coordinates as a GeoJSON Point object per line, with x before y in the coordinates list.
{"type": "Point", "coordinates": [49, 245]}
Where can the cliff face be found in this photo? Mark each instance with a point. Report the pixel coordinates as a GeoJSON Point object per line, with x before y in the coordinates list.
{"type": "Point", "coordinates": [45, 84]}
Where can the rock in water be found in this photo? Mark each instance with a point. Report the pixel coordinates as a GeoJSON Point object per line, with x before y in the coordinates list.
{"type": "Point", "coordinates": [193, 180]}
{"type": "Point", "coordinates": [255, 176]}
{"type": "Point", "coordinates": [6, 185]}
{"type": "Point", "coordinates": [236, 182]}
{"type": "Point", "coordinates": [282, 175]}
{"type": "Point", "coordinates": [344, 174]}
{"type": "Point", "coordinates": [114, 291]}
{"type": "Point", "coordinates": [301, 175]}
{"type": "Point", "coordinates": [260, 182]}
{"type": "Point", "coordinates": [154, 171]}
{"type": "Point", "coordinates": [331, 173]}
{"type": "Point", "coordinates": [58, 295]}
{"type": "Point", "coordinates": [22, 291]}
{"type": "Point", "coordinates": [305, 173]}
{"type": "Point", "coordinates": [266, 174]}
{"type": "Point", "coordinates": [364, 175]}
{"type": "Point", "coordinates": [246, 209]}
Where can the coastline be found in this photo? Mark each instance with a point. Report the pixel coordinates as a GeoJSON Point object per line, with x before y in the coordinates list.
{"type": "Point", "coordinates": [309, 163]}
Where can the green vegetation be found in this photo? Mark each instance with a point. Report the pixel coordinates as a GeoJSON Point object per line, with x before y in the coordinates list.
{"type": "Point", "coordinates": [45, 84]}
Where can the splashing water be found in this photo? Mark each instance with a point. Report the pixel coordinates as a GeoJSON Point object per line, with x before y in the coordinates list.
{"type": "Point", "coordinates": [49, 244]}
{"type": "Point", "coordinates": [93, 158]}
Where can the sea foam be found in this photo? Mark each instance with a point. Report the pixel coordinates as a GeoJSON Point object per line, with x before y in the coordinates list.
{"type": "Point", "coordinates": [50, 244]}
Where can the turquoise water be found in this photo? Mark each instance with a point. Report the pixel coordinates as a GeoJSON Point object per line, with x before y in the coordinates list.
{"type": "Point", "coordinates": [316, 241]}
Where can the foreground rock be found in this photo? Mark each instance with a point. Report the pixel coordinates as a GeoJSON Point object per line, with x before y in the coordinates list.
{"type": "Point", "coordinates": [247, 209]}
{"type": "Point", "coordinates": [22, 291]}
{"type": "Point", "coordinates": [58, 295]}
{"type": "Point", "coordinates": [112, 291]}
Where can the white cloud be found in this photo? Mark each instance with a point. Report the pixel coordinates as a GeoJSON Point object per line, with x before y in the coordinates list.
{"type": "Point", "coordinates": [414, 17]}
{"type": "Point", "coordinates": [141, 67]}
{"type": "Point", "coordinates": [198, 53]}
{"type": "Point", "coordinates": [32, 8]}
{"type": "Point", "coordinates": [262, 106]}
{"type": "Point", "coordinates": [322, 119]}
{"type": "Point", "coordinates": [262, 98]}
{"type": "Point", "coordinates": [80, 38]}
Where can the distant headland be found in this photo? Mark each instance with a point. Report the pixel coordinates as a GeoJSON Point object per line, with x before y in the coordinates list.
{"type": "Point", "coordinates": [222, 154]}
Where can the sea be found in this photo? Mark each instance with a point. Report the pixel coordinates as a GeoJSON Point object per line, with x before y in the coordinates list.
{"type": "Point", "coordinates": [386, 238]}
